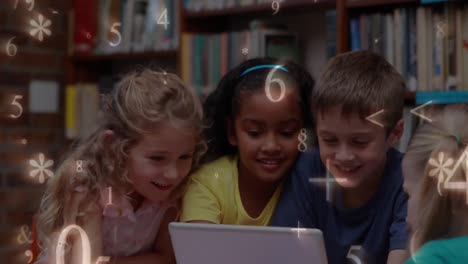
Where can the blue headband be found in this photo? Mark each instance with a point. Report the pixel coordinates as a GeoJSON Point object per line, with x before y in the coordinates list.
{"type": "Point", "coordinates": [265, 66]}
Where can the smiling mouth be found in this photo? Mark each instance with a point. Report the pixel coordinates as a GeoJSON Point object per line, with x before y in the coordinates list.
{"type": "Point", "coordinates": [163, 187]}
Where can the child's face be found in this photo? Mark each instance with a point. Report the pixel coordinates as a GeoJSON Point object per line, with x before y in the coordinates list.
{"type": "Point", "coordinates": [354, 147]}
{"type": "Point", "coordinates": [266, 134]}
{"type": "Point", "coordinates": [160, 161]}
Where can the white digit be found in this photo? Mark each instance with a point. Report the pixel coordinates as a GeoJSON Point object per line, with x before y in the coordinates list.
{"type": "Point", "coordinates": [15, 103]}
{"type": "Point", "coordinates": [116, 32]}
{"type": "Point", "coordinates": [458, 185]}
{"type": "Point", "coordinates": [110, 195]}
{"type": "Point", "coordinates": [31, 7]}
{"type": "Point", "coordinates": [268, 83]}
{"type": "Point", "coordinates": [353, 257]}
{"type": "Point", "coordinates": [166, 21]}
{"type": "Point", "coordinates": [102, 259]}
{"type": "Point", "coordinates": [16, 4]}
{"type": "Point", "coordinates": [11, 48]}
{"type": "Point", "coordinates": [275, 5]}
{"type": "Point", "coordinates": [60, 249]}
{"type": "Point", "coordinates": [85, 245]}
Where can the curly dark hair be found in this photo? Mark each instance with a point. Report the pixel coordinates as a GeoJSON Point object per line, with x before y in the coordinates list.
{"type": "Point", "coordinates": [224, 102]}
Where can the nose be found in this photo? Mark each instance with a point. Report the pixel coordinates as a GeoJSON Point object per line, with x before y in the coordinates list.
{"type": "Point", "coordinates": [271, 144]}
{"type": "Point", "coordinates": [171, 172]}
{"type": "Point", "coordinates": [344, 153]}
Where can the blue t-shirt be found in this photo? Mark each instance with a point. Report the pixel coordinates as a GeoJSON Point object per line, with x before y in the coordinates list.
{"type": "Point", "coordinates": [378, 227]}
{"type": "Point", "coordinates": [445, 251]}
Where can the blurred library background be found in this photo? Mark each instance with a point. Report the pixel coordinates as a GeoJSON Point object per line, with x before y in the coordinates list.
{"type": "Point", "coordinates": [58, 56]}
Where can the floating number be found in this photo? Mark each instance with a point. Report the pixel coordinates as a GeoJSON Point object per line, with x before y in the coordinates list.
{"type": "Point", "coordinates": [110, 195]}
{"type": "Point", "coordinates": [117, 33]}
{"type": "Point", "coordinates": [353, 257]}
{"type": "Point", "coordinates": [11, 48]}
{"type": "Point", "coordinates": [276, 6]}
{"type": "Point", "coordinates": [302, 141]}
{"type": "Point", "coordinates": [458, 185]}
{"type": "Point", "coordinates": [79, 166]}
{"type": "Point", "coordinates": [85, 245]}
{"type": "Point", "coordinates": [31, 2]}
{"type": "Point", "coordinates": [268, 83]}
{"type": "Point", "coordinates": [166, 21]}
{"type": "Point", "coordinates": [15, 103]}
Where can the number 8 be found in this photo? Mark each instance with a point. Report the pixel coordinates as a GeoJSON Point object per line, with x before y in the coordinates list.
{"type": "Point", "coordinates": [268, 83]}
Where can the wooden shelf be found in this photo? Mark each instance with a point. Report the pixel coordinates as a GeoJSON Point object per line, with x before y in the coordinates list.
{"type": "Point", "coordinates": [260, 8]}
{"type": "Point", "coordinates": [123, 56]}
{"type": "Point", "coordinates": [373, 3]}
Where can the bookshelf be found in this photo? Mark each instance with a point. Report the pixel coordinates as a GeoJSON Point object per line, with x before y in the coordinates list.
{"type": "Point", "coordinates": [88, 67]}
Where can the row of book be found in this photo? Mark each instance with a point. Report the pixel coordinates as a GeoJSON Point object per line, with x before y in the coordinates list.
{"type": "Point", "coordinates": [207, 57]}
{"type": "Point", "coordinates": [122, 26]}
{"type": "Point", "coordinates": [82, 103]}
{"type": "Point", "coordinates": [427, 45]}
{"type": "Point", "coordinates": [200, 5]}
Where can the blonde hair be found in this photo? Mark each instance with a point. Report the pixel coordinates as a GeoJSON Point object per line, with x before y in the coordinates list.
{"type": "Point", "coordinates": [447, 134]}
{"type": "Point", "coordinates": [139, 102]}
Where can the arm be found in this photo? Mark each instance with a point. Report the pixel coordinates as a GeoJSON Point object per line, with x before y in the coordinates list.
{"type": "Point", "coordinates": [295, 204]}
{"type": "Point", "coordinates": [163, 252]}
{"type": "Point", "coordinates": [399, 231]}
{"type": "Point", "coordinates": [201, 203]}
{"type": "Point", "coordinates": [397, 256]}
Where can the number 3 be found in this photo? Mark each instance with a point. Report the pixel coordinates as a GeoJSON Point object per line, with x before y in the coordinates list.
{"type": "Point", "coordinates": [353, 257]}
{"type": "Point", "coordinates": [15, 103]}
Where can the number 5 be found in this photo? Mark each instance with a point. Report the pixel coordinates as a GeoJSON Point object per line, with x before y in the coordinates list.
{"type": "Point", "coordinates": [353, 257]}
{"type": "Point", "coordinates": [116, 32]}
{"type": "Point", "coordinates": [15, 103]}
{"type": "Point", "coordinates": [268, 83]}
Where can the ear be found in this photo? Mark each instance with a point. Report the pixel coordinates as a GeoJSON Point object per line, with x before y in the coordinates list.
{"type": "Point", "coordinates": [396, 133]}
{"type": "Point", "coordinates": [231, 132]}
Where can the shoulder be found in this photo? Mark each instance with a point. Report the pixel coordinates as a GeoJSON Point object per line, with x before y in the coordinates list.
{"type": "Point", "coordinates": [308, 165]}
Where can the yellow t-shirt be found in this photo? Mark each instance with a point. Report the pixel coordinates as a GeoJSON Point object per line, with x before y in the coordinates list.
{"type": "Point", "coordinates": [213, 196]}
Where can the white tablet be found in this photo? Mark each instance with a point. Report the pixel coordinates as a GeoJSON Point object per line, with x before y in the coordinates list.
{"type": "Point", "coordinates": [233, 244]}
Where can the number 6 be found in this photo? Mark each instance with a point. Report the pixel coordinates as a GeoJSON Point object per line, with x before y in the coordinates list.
{"type": "Point", "coordinates": [353, 257]}
{"type": "Point", "coordinates": [268, 83]}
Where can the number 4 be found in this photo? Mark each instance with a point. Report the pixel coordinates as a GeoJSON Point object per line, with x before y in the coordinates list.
{"type": "Point", "coordinates": [353, 257]}
{"type": "Point", "coordinates": [166, 21]}
{"type": "Point", "coordinates": [458, 185]}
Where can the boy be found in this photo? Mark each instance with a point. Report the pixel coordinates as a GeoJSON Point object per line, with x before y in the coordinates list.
{"type": "Point", "coordinates": [363, 216]}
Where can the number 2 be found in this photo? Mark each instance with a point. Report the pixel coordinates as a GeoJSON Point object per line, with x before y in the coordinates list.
{"type": "Point", "coordinates": [166, 21]}
{"type": "Point", "coordinates": [17, 104]}
{"type": "Point", "coordinates": [353, 257]}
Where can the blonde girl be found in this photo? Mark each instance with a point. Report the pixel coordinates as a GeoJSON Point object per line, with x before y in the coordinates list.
{"type": "Point", "coordinates": [121, 184]}
{"type": "Point", "coordinates": [437, 211]}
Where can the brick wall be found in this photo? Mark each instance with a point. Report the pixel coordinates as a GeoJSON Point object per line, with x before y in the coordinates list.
{"type": "Point", "coordinates": [24, 138]}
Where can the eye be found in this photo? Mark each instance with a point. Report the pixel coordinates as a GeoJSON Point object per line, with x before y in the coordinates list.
{"type": "Point", "coordinates": [157, 158]}
{"type": "Point", "coordinates": [329, 140]}
{"type": "Point", "coordinates": [361, 143]}
{"type": "Point", "coordinates": [186, 157]}
{"type": "Point", "coordinates": [253, 133]}
{"type": "Point", "coordinates": [287, 133]}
